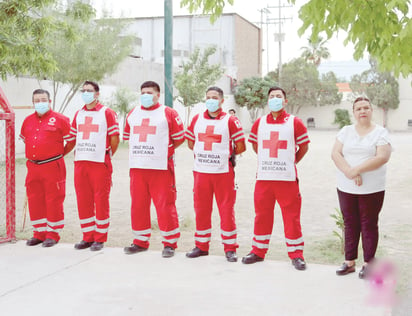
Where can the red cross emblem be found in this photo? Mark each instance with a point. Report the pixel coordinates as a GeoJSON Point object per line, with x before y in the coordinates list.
{"type": "Point", "coordinates": [209, 138]}
{"type": "Point", "coordinates": [88, 127]}
{"type": "Point", "coordinates": [144, 130]}
{"type": "Point", "coordinates": [274, 144]}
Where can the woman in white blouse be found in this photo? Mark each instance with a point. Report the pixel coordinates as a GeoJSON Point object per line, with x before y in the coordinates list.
{"type": "Point", "coordinates": [360, 153]}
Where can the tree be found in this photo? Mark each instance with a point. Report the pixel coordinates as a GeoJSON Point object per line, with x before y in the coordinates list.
{"type": "Point", "coordinates": [23, 32]}
{"type": "Point", "coordinates": [382, 28]}
{"type": "Point", "coordinates": [212, 7]}
{"type": "Point", "coordinates": [121, 102]}
{"type": "Point", "coordinates": [329, 91]}
{"type": "Point", "coordinates": [316, 51]}
{"type": "Point", "coordinates": [381, 88]}
{"type": "Point", "coordinates": [252, 93]}
{"type": "Point", "coordinates": [97, 51]}
{"type": "Point", "coordinates": [196, 76]}
{"type": "Point", "coordinates": [342, 117]}
{"type": "Point", "coordinates": [304, 88]}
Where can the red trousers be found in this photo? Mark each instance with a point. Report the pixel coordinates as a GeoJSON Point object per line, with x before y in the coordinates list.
{"type": "Point", "coordinates": [46, 190]}
{"type": "Point", "coordinates": [92, 182]}
{"type": "Point", "coordinates": [222, 185]}
{"type": "Point", "coordinates": [287, 194]}
{"type": "Point", "coordinates": [160, 186]}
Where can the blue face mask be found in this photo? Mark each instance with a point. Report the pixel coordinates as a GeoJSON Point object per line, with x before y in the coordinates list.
{"type": "Point", "coordinates": [88, 97]}
{"type": "Point", "coordinates": [41, 107]}
{"type": "Point", "coordinates": [212, 105]}
{"type": "Point", "coordinates": [146, 100]}
{"type": "Point", "coordinates": [275, 104]}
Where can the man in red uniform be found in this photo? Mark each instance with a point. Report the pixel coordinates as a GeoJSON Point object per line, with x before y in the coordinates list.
{"type": "Point", "coordinates": [153, 132]}
{"type": "Point", "coordinates": [95, 133]}
{"type": "Point", "coordinates": [211, 136]}
{"type": "Point", "coordinates": [44, 133]}
{"type": "Point", "coordinates": [280, 141]}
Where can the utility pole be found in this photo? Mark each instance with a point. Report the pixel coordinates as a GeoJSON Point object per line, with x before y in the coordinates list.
{"type": "Point", "coordinates": [280, 37]}
{"type": "Point", "coordinates": [168, 56]}
{"type": "Point", "coordinates": [267, 12]}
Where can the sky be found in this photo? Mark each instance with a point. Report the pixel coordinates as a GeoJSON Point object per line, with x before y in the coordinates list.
{"type": "Point", "coordinates": [251, 11]}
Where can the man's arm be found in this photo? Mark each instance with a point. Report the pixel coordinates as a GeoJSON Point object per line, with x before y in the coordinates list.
{"type": "Point", "coordinates": [303, 149]}
{"type": "Point", "coordinates": [190, 144]}
{"type": "Point", "coordinates": [69, 147]}
{"type": "Point", "coordinates": [114, 143]}
{"type": "Point", "coordinates": [240, 147]}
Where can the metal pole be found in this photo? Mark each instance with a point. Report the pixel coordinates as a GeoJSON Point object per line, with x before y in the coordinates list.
{"type": "Point", "coordinates": [168, 56]}
{"type": "Point", "coordinates": [280, 41]}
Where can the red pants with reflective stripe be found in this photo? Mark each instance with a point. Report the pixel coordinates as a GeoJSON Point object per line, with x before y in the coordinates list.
{"type": "Point", "coordinates": [92, 182]}
{"type": "Point", "coordinates": [222, 185]}
{"type": "Point", "coordinates": [46, 190]}
{"type": "Point", "coordinates": [160, 186]}
{"type": "Point", "coordinates": [287, 194]}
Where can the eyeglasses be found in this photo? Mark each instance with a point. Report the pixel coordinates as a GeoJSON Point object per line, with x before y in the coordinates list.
{"type": "Point", "coordinates": [86, 90]}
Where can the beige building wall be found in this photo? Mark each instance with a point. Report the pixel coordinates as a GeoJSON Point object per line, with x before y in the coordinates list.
{"type": "Point", "coordinates": [248, 48]}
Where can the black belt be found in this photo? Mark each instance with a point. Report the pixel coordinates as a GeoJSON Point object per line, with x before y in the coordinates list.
{"type": "Point", "coordinates": [40, 162]}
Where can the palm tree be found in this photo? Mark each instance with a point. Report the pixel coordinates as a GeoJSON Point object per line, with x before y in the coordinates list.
{"type": "Point", "coordinates": [316, 51]}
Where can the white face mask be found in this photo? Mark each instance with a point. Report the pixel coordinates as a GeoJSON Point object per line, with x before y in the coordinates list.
{"type": "Point", "coordinates": [41, 107]}
{"type": "Point", "coordinates": [212, 105]}
{"type": "Point", "coordinates": [88, 97]}
{"type": "Point", "coordinates": [146, 100]}
{"type": "Point", "coordinates": [275, 104]}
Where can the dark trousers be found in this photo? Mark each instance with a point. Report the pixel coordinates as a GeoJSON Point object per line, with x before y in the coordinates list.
{"type": "Point", "coordinates": [360, 214]}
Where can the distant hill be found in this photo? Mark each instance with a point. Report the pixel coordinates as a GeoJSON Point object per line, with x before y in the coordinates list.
{"type": "Point", "coordinates": [344, 69]}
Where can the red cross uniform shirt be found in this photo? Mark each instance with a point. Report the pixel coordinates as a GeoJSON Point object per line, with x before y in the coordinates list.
{"type": "Point", "coordinates": [175, 125]}
{"type": "Point", "coordinates": [282, 137]}
{"type": "Point", "coordinates": [235, 134]}
{"type": "Point", "coordinates": [44, 136]}
{"type": "Point", "coordinates": [111, 123]}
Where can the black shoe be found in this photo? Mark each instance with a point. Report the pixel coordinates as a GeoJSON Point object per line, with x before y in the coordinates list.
{"type": "Point", "coordinates": [96, 246]}
{"type": "Point", "coordinates": [83, 245]}
{"type": "Point", "coordinates": [49, 242]}
{"type": "Point", "coordinates": [168, 252]}
{"type": "Point", "coordinates": [251, 258]}
{"type": "Point", "coordinates": [345, 269]}
{"type": "Point", "coordinates": [363, 273]}
{"type": "Point", "coordinates": [299, 264]}
{"type": "Point", "coordinates": [133, 249]}
{"type": "Point", "coordinates": [33, 241]}
{"type": "Point", "coordinates": [196, 252]}
{"type": "Point", "coordinates": [231, 256]}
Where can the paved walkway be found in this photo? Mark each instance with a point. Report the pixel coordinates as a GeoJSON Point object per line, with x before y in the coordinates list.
{"type": "Point", "coordinates": [65, 281]}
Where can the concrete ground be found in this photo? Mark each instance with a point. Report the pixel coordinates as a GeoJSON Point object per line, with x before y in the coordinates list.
{"type": "Point", "coordinates": [65, 281]}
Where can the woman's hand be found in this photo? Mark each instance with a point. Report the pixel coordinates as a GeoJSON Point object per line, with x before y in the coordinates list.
{"type": "Point", "coordinates": [358, 180]}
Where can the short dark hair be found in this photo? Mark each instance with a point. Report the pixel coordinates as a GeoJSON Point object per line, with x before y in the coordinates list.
{"type": "Point", "coordinates": [232, 110]}
{"type": "Point", "coordinates": [217, 89]}
{"type": "Point", "coordinates": [150, 84]}
{"type": "Point", "coordinates": [41, 91]}
{"type": "Point", "coordinates": [92, 83]}
{"type": "Point", "coordinates": [360, 99]}
{"type": "Point", "coordinates": [277, 88]}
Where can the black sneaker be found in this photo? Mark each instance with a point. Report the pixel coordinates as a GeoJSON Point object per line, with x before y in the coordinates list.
{"type": "Point", "coordinates": [168, 252]}
{"type": "Point", "coordinates": [33, 241]}
{"type": "Point", "coordinates": [96, 246]}
{"type": "Point", "coordinates": [299, 264]}
{"type": "Point", "coordinates": [133, 249]}
{"type": "Point", "coordinates": [83, 245]}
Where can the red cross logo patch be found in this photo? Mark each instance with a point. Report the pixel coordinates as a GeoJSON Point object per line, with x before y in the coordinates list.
{"type": "Point", "coordinates": [274, 144]}
{"type": "Point", "coordinates": [144, 130]}
{"type": "Point", "coordinates": [209, 138]}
